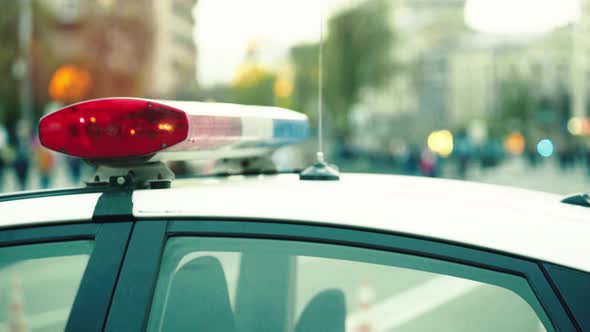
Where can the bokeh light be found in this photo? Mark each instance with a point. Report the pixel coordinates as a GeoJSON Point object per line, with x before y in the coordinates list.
{"type": "Point", "coordinates": [578, 126]}
{"type": "Point", "coordinates": [441, 142]}
{"type": "Point", "coordinates": [515, 143]}
{"type": "Point", "coordinates": [69, 84]}
{"type": "Point", "coordinates": [545, 148]}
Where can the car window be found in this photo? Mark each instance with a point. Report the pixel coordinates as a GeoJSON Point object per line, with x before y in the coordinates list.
{"type": "Point", "coordinates": [228, 284]}
{"type": "Point", "coordinates": [38, 284]}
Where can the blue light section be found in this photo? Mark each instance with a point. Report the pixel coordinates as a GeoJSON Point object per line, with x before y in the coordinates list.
{"type": "Point", "coordinates": [289, 131]}
{"type": "Point", "coordinates": [545, 148]}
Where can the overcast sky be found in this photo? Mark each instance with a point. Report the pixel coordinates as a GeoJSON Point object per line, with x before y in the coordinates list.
{"type": "Point", "coordinates": [224, 28]}
{"type": "Point", "coordinates": [520, 16]}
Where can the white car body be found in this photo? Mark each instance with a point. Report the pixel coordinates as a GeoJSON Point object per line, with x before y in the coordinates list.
{"type": "Point", "coordinates": [514, 221]}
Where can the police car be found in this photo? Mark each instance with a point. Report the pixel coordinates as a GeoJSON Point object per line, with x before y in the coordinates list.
{"type": "Point", "coordinates": [136, 250]}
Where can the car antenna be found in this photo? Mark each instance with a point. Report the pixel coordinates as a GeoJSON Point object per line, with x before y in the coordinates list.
{"type": "Point", "coordinates": [320, 170]}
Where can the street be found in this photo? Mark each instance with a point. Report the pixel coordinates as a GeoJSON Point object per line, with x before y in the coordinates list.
{"type": "Point", "coordinates": [59, 178]}
{"type": "Point", "coordinates": [514, 172]}
{"type": "Point", "coordinates": [404, 299]}
{"type": "Point", "coordinates": [545, 177]}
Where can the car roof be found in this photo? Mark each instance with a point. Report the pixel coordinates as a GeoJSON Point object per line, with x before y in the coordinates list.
{"type": "Point", "coordinates": [515, 221]}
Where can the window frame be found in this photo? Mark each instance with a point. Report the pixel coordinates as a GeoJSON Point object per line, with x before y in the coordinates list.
{"type": "Point", "coordinates": [158, 231]}
{"type": "Point", "coordinates": [90, 307]}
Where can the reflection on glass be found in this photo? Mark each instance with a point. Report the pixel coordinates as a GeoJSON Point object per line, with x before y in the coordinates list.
{"type": "Point", "coordinates": [253, 285]}
{"type": "Point", "coordinates": [38, 284]}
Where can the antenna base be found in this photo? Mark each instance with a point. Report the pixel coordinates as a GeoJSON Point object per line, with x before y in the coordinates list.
{"type": "Point", "coordinates": [320, 171]}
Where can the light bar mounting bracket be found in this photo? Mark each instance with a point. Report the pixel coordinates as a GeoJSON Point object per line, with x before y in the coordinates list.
{"type": "Point", "coordinates": [153, 175]}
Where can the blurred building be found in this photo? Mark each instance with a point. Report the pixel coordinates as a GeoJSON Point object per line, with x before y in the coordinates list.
{"type": "Point", "coordinates": [443, 25]}
{"type": "Point", "coordinates": [472, 88]}
{"type": "Point", "coordinates": [581, 66]}
{"type": "Point", "coordinates": [481, 63]}
{"type": "Point", "coordinates": [122, 47]}
{"type": "Point", "coordinates": [173, 55]}
{"type": "Point", "coordinates": [111, 40]}
{"type": "Point", "coordinates": [450, 76]}
{"type": "Point", "coordinates": [426, 32]}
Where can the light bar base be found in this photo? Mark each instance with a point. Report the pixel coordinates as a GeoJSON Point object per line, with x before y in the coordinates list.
{"type": "Point", "coordinates": [151, 175]}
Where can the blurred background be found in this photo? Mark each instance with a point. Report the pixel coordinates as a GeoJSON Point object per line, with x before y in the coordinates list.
{"type": "Point", "coordinates": [495, 91]}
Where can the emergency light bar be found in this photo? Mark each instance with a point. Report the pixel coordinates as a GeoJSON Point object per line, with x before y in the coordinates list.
{"type": "Point", "coordinates": [112, 130]}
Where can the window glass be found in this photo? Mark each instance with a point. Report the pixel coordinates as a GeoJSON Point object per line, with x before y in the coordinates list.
{"type": "Point", "coordinates": [38, 284]}
{"type": "Point", "coordinates": [247, 285]}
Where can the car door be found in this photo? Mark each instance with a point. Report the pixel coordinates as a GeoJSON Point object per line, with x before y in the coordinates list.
{"type": "Point", "coordinates": [242, 276]}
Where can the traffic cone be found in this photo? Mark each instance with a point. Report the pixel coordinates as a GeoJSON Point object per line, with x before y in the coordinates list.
{"type": "Point", "coordinates": [16, 307]}
{"type": "Point", "coordinates": [366, 299]}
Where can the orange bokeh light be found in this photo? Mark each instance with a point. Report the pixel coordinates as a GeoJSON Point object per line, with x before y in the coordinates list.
{"type": "Point", "coordinates": [515, 143]}
{"type": "Point", "coordinates": [70, 84]}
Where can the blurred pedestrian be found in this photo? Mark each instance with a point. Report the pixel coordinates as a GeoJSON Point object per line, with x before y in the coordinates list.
{"type": "Point", "coordinates": [22, 154]}
{"type": "Point", "coordinates": [569, 157]}
{"type": "Point", "coordinates": [21, 165]}
{"type": "Point", "coordinates": [4, 154]}
{"type": "Point", "coordinates": [74, 169]}
{"type": "Point", "coordinates": [491, 154]}
{"type": "Point", "coordinates": [45, 163]}
{"type": "Point", "coordinates": [2, 166]}
{"type": "Point", "coordinates": [412, 160]}
{"type": "Point", "coordinates": [564, 148]}
{"type": "Point", "coordinates": [428, 163]}
{"type": "Point", "coordinates": [463, 153]}
{"type": "Point", "coordinates": [531, 154]}
{"type": "Point", "coordinates": [586, 157]}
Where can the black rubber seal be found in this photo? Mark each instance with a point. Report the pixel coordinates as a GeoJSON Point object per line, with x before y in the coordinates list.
{"type": "Point", "coordinates": [114, 206]}
{"type": "Point", "coordinates": [574, 288]}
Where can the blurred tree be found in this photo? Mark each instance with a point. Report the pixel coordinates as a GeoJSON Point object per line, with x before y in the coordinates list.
{"type": "Point", "coordinates": [217, 93]}
{"type": "Point", "coordinates": [305, 87]}
{"type": "Point", "coordinates": [189, 91]}
{"type": "Point", "coordinates": [253, 85]}
{"type": "Point", "coordinates": [8, 55]}
{"type": "Point", "coordinates": [9, 68]}
{"type": "Point", "coordinates": [44, 61]}
{"type": "Point", "coordinates": [358, 54]}
{"type": "Point", "coordinates": [515, 108]}
{"type": "Point", "coordinates": [283, 91]}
